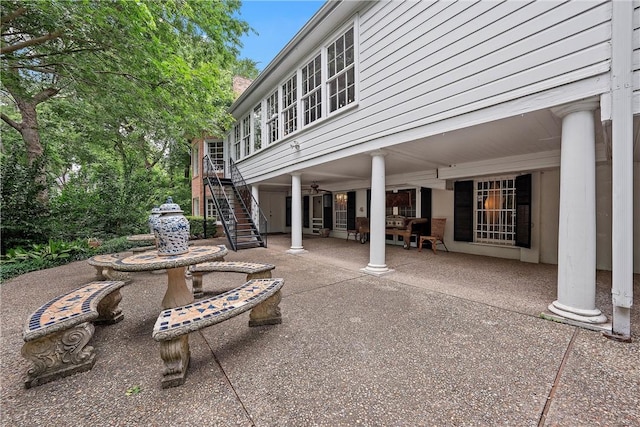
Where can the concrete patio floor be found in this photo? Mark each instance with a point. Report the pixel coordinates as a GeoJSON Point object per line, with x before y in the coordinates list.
{"type": "Point", "coordinates": [446, 340]}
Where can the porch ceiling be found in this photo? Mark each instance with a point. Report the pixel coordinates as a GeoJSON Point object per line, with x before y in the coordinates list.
{"type": "Point", "coordinates": [530, 133]}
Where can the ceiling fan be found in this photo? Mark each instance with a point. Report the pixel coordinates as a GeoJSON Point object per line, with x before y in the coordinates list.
{"type": "Point", "coordinates": [315, 188]}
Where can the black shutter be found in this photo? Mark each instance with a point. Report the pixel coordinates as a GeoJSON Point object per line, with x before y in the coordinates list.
{"type": "Point", "coordinates": [425, 212]}
{"type": "Point", "coordinates": [351, 210]}
{"type": "Point", "coordinates": [305, 211]}
{"type": "Point", "coordinates": [463, 211]}
{"type": "Point", "coordinates": [523, 211]}
{"type": "Point", "coordinates": [327, 213]}
{"type": "Point", "coordinates": [369, 203]}
{"type": "Point", "coordinates": [287, 212]}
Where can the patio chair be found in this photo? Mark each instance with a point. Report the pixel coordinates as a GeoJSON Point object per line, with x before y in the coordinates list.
{"type": "Point", "coordinates": [361, 231]}
{"type": "Point", "coordinates": [437, 234]}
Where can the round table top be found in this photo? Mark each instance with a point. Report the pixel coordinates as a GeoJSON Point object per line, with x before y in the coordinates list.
{"type": "Point", "coordinates": [150, 260]}
{"type": "Point", "coordinates": [141, 238]}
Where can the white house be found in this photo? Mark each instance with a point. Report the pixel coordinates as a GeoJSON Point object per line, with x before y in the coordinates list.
{"type": "Point", "coordinates": [516, 121]}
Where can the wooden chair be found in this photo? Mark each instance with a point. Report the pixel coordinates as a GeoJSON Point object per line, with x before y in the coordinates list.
{"type": "Point", "coordinates": [361, 231]}
{"type": "Point", "coordinates": [437, 234]}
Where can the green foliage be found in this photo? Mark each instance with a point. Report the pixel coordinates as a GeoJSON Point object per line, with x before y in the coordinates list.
{"type": "Point", "coordinates": [132, 391]}
{"type": "Point", "coordinates": [118, 87]}
{"type": "Point", "coordinates": [196, 227]}
{"type": "Point", "coordinates": [9, 270]}
{"type": "Point", "coordinates": [54, 250]}
{"type": "Point", "coordinates": [36, 257]}
{"type": "Point", "coordinates": [102, 202]}
{"type": "Point", "coordinates": [24, 214]}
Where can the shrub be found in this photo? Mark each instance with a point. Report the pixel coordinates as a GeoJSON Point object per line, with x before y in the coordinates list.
{"type": "Point", "coordinates": [196, 226]}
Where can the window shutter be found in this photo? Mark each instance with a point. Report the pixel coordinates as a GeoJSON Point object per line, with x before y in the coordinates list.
{"type": "Point", "coordinates": [351, 210]}
{"type": "Point", "coordinates": [463, 211]}
{"type": "Point", "coordinates": [368, 203]}
{"type": "Point", "coordinates": [425, 210]}
{"type": "Point", "coordinates": [287, 212]}
{"type": "Point", "coordinates": [305, 211]}
{"type": "Point", "coordinates": [523, 211]}
{"type": "Point", "coordinates": [327, 206]}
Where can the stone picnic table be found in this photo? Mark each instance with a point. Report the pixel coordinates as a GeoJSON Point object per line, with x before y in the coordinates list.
{"type": "Point", "coordinates": [177, 294]}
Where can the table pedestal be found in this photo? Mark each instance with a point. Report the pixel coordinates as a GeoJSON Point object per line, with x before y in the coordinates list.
{"type": "Point", "coordinates": [178, 294]}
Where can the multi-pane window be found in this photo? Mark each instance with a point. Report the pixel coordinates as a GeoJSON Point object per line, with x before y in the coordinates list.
{"type": "Point", "coordinates": [323, 85]}
{"type": "Point", "coordinates": [246, 135]}
{"type": "Point", "coordinates": [215, 149]}
{"type": "Point", "coordinates": [272, 118]}
{"type": "Point", "coordinates": [312, 91]}
{"type": "Point", "coordinates": [401, 202]}
{"type": "Point", "coordinates": [257, 127]}
{"type": "Point", "coordinates": [236, 141]}
{"type": "Point", "coordinates": [495, 220]}
{"type": "Point", "coordinates": [195, 206]}
{"type": "Point", "coordinates": [341, 71]}
{"type": "Point", "coordinates": [211, 209]}
{"type": "Point", "coordinates": [290, 106]}
{"type": "Point", "coordinates": [195, 160]}
{"type": "Point", "coordinates": [340, 209]}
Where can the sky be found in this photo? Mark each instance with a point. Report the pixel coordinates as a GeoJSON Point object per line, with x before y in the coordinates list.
{"type": "Point", "coordinates": [276, 22]}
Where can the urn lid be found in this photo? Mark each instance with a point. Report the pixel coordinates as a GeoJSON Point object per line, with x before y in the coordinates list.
{"type": "Point", "coordinates": [155, 210]}
{"type": "Point", "coordinates": [169, 207]}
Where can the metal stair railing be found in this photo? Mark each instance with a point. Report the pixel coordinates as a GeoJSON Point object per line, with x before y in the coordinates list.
{"type": "Point", "coordinates": [223, 205]}
{"type": "Point", "coordinates": [249, 202]}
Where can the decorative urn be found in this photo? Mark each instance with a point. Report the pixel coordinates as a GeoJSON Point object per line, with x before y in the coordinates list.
{"type": "Point", "coordinates": [171, 229]}
{"type": "Point", "coordinates": [155, 214]}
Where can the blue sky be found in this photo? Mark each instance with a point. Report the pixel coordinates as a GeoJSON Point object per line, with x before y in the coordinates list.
{"type": "Point", "coordinates": [276, 22]}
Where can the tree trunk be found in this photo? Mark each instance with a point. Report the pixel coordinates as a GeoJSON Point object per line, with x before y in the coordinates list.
{"type": "Point", "coordinates": [29, 131]}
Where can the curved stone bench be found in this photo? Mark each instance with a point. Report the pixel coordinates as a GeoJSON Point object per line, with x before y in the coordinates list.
{"type": "Point", "coordinates": [104, 268]}
{"type": "Point", "coordinates": [173, 325]}
{"type": "Point", "coordinates": [253, 270]}
{"type": "Point", "coordinates": [56, 335]}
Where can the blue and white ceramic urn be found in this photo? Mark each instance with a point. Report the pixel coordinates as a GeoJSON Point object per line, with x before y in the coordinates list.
{"type": "Point", "coordinates": [171, 229]}
{"type": "Point", "coordinates": [155, 214]}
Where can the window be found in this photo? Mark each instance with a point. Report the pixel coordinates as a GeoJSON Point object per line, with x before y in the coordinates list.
{"type": "Point", "coordinates": [246, 135]}
{"type": "Point", "coordinates": [340, 209]}
{"type": "Point", "coordinates": [196, 206]}
{"type": "Point", "coordinates": [195, 160]}
{"type": "Point", "coordinates": [312, 91]}
{"type": "Point", "coordinates": [401, 202]}
{"type": "Point", "coordinates": [272, 118]}
{"type": "Point", "coordinates": [236, 141]}
{"type": "Point", "coordinates": [341, 71]}
{"type": "Point", "coordinates": [323, 85]}
{"type": "Point", "coordinates": [215, 151]}
{"type": "Point", "coordinates": [289, 106]}
{"type": "Point", "coordinates": [211, 209]}
{"type": "Point", "coordinates": [257, 127]}
{"type": "Point", "coordinates": [495, 211]}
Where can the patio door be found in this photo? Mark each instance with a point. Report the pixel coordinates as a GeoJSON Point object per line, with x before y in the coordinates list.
{"type": "Point", "coordinates": [317, 214]}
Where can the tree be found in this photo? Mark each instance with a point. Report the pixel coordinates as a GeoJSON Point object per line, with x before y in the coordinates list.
{"type": "Point", "coordinates": [148, 74]}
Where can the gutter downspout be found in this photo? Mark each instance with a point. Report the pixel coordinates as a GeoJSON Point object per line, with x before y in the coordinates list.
{"type": "Point", "coordinates": [622, 168]}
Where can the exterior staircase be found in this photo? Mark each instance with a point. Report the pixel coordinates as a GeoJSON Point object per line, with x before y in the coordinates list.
{"type": "Point", "coordinates": [244, 223]}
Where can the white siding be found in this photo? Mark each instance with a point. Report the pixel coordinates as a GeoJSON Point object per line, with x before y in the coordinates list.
{"type": "Point", "coordinates": [422, 63]}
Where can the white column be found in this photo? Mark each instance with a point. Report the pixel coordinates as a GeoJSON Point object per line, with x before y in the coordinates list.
{"type": "Point", "coordinates": [577, 222]}
{"type": "Point", "coordinates": [255, 208]}
{"type": "Point", "coordinates": [377, 265]}
{"type": "Point", "coordinates": [296, 215]}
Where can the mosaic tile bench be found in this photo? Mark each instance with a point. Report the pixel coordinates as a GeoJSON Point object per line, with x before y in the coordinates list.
{"type": "Point", "coordinates": [56, 335]}
{"type": "Point", "coordinates": [252, 269]}
{"type": "Point", "coordinates": [174, 325]}
{"type": "Point", "coordinates": [104, 268]}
